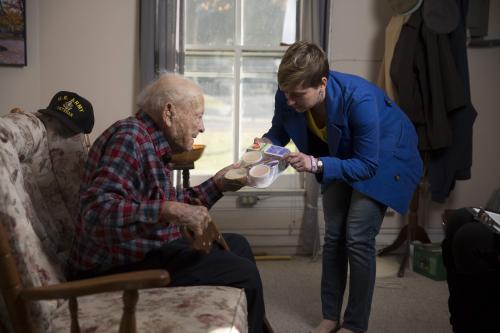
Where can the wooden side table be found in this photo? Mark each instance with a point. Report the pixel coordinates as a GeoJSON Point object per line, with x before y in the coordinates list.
{"type": "Point", "coordinates": [185, 167]}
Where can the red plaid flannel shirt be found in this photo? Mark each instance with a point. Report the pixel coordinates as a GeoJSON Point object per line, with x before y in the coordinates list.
{"type": "Point", "coordinates": [125, 181]}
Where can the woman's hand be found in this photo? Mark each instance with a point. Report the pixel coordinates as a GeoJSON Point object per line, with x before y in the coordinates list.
{"type": "Point", "coordinates": [300, 162]}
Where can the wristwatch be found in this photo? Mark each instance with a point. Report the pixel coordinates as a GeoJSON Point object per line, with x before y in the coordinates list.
{"type": "Point", "coordinates": [320, 166]}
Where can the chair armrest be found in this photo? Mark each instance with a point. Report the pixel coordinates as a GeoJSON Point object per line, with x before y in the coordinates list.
{"type": "Point", "coordinates": [116, 282]}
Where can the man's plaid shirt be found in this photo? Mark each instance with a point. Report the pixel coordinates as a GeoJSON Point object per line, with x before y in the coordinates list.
{"type": "Point", "coordinates": [125, 181]}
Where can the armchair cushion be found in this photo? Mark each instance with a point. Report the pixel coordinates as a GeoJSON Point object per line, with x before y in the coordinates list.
{"type": "Point", "coordinates": [43, 163]}
{"type": "Point", "coordinates": [176, 309]}
{"type": "Point", "coordinates": [24, 159]}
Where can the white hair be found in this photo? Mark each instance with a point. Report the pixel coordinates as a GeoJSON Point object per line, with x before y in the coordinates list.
{"type": "Point", "coordinates": [168, 88]}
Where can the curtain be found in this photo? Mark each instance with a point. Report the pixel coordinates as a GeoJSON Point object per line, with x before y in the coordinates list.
{"type": "Point", "coordinates": [315, 21]}
{"type": "Point", "coordinates": [160, 38]}
{"type": "Point", "coordinates": [314, 26]}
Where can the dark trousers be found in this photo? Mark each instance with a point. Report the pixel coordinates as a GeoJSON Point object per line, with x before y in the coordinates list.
{"type": "Point", "coordinates": [188, 267]}
{"type": "Point", "coordinates": [471, 257]}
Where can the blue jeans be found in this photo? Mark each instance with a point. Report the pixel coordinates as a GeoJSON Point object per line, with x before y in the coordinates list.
{"type": "Point", "coordinates": [352, 221]}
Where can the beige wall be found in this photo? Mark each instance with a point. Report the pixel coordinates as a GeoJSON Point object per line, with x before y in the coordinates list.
{"type": "Point", "coordinates": [90, 47]}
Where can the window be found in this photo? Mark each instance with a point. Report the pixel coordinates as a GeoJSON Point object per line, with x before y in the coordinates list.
{"type": "Point", "coordinates": [232, 49]}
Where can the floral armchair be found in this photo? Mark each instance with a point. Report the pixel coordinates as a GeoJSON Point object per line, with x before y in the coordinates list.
{"type": "Point", "coordinates": [40, 164]}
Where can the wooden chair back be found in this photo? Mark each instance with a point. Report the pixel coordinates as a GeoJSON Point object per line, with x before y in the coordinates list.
{"type": "Point", "coordinates": [10, 285]}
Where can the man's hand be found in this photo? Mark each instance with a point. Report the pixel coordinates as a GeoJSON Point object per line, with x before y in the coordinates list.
{"type": "Point", "coordinates": [300, 162]}
{"type": "Point", "coordinates": [224, 184]}
{"type": "Point", "coordinates": [194, 217]}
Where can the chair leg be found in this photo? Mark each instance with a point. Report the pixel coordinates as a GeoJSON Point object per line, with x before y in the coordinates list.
{"type": "Point", "coordinates": [73, 310]}
{"type": "Point", "coordinates": [128, 323]}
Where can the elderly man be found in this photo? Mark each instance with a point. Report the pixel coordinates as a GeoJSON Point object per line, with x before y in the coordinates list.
{"type": "Point", "coordinates": [130, 213]}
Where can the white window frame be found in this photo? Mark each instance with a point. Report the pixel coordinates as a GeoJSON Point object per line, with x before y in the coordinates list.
{"type": "Point", "coordinates": [285, 182]}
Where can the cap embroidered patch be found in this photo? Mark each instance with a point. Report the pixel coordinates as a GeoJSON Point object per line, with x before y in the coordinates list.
{"type": "Point", "coordinates": [72, 110]}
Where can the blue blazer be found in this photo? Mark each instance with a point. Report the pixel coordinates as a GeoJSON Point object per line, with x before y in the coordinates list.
{"type": "Point", "coordinates": [372, 145]}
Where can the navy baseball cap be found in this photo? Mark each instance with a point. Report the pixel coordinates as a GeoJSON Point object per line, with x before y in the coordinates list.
{"type": "Point", "coordinates": [72, 110]}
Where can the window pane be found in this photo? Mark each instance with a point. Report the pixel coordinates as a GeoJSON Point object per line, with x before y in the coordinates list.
{"type": "Point", "coordinates": [258, 87]}
{"type": "Point", "coordinates": [211, 62]}
{"type": "Point", "coordinates": [218, 120]}
{"type": "Point", "coordinates": [214, 73]}
{"type": "Point", "coordinates": [263, 22]}
{"type": "Point", "coordinates": [257, 108]}
{"type": "Point", "coordinates": [263, 64]}
{"type": "Point", "coordinates": [210, 22]}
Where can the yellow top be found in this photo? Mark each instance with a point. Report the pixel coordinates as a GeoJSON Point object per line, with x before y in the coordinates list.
{"type": "Point", "coordinates": [319, 132]}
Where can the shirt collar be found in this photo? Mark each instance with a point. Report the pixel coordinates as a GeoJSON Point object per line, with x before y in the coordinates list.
{"type": "Point", "coordinates": [160, 142]}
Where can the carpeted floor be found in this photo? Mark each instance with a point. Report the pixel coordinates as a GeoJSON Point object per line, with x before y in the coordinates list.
{"type": "Point", "coordinates": [412, 304]}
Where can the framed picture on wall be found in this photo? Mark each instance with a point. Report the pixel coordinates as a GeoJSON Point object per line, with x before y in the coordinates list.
{"type": "Point", "coordinates": [12, 33]}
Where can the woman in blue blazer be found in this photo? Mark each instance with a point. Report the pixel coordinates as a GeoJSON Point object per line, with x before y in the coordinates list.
{"type": "Point", "coordinates": [363, 150]}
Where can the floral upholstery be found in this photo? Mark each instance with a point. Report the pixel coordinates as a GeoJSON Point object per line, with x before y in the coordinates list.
{"type": "Point", "coordinates": [181, 309]}
{"type": "Point", "coordinates": [39, 180]}
{"type": "Point", "coordinates": [24, 156]}
{"type": "Point", "coordinates": [67, 156]}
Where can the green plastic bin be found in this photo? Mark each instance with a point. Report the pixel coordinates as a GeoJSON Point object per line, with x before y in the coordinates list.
{"type": "Point", "coordinates": [428, 261]}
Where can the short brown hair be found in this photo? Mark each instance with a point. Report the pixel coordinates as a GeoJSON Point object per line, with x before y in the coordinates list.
{"type": "Point", "coordinates": [304, 63]}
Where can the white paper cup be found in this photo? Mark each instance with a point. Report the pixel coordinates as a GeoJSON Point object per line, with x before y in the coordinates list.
{"type": "Point", "coordinates": [251, 157]}
{"type": "Point", "coordinates": [260, 175]}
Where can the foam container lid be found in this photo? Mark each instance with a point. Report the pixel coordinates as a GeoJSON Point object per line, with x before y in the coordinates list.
{"type": "Point", "coordinates": [263, 163]}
